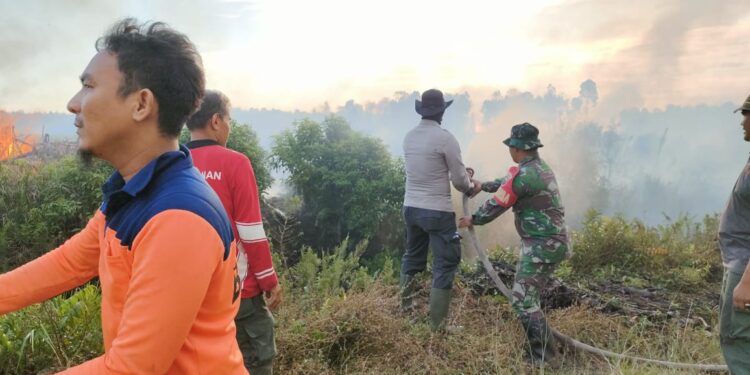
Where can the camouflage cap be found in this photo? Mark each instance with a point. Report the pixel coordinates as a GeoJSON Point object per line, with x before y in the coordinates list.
{"type": "Point", "coordinates": [524, 136]}
{"type": "Point", "coordinates": [745, 106]}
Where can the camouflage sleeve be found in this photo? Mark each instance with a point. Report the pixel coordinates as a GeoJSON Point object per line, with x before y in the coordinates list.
{"type": "Point", "coordinates": [492, 186]}
{"type": "Point", "coordinates": [490, 210]}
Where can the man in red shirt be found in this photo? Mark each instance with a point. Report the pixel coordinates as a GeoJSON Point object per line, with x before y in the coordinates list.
{"type": "Point", "coordinates": [231, 175]}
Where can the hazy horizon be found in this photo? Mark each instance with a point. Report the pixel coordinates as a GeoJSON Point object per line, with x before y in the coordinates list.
{"type": "Point", "coordinates": [646, 164]}
{"type": "Point", "coordinates": [634, 100]}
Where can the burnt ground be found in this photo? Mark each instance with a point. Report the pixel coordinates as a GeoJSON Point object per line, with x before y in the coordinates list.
{"type": "Point", "coordinates": [699, 308]}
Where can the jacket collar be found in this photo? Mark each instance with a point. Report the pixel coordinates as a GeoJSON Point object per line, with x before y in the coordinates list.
{"type": "Point", "coordinates": [144, 177]}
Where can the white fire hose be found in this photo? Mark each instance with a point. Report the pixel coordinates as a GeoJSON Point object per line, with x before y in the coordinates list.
{"type": "Point", "coordinates": [562, 337]}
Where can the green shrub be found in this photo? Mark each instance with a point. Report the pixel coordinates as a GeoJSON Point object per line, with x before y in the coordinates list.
{"type": "Point", "coordinates": [385, 265]}
{"type": "Point", "coordinates": [56, 334]}
{"type": "Point", "coordinates": [350, 185]}
{"type": "Point", "coordinates": [680, 255]}
{"type": "Point", "coordinates": [330, 274]}
{"type": "Point", "coordinates": [44, 203]}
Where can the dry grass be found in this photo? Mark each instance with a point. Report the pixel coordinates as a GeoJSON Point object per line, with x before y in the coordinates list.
{"type": "Point", "coordinates": [364, 333]}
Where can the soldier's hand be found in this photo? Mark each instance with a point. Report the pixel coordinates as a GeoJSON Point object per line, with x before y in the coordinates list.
{"type": "Point", "coordinates": [741, 296]}
{"type": "Point", "coordinates": [465, 222]}
{"type": "Point", "coordinates": [476, 189]}
{"type": "Point", "coordinates": [274, 297]}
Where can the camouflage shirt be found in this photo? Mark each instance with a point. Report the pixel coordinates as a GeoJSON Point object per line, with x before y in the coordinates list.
{"type": "Point", "coordinates": [538, 210]}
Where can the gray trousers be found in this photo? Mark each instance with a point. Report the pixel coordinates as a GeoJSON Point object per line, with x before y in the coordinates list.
{"type": "Point", "coordinates": [437, 230]}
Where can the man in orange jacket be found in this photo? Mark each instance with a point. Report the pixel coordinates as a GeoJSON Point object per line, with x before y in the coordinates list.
{"type": "Point", "coordinates": [231, 176]}
{"type": "Point", "coordinates": [161, 242]}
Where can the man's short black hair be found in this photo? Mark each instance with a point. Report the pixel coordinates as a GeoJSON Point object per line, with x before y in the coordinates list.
{"type": "Point", "coordinates": [153, 56]}
{"type": "Point", "coordinates": [213, 102]}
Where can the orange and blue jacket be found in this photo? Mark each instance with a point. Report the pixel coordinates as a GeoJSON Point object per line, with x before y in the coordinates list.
{"type": "Point", "coordinates": [163, 249]}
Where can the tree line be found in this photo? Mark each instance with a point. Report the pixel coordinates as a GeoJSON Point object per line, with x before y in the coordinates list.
{"type": "Point", "coordinates": [341, 184]}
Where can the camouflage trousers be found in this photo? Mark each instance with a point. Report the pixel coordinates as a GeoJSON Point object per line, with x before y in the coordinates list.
{"type": "Point", "coordinates": [531, 278]}
{"type": "Point", "coordinates": [734, 328]}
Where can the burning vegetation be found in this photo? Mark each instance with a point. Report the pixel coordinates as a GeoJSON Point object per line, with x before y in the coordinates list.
{"type": "Point", "coordinates": [34, 145]}
{"type": "Point", "coordinates": [11, 145]}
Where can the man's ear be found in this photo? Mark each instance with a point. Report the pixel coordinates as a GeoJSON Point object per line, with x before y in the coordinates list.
{"type": "Point", "coordinates": [145, 105]}
{"type": "Point", "coordinates": [214, 122]}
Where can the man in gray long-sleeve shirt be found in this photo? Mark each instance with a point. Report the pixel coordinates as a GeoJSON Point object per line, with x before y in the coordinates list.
{"type": "Point", "coordinates": [433, 158]}
{"type": "Point", "coordinates": [734, 242]}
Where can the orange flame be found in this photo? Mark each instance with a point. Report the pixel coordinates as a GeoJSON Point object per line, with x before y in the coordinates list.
{"type": "Point", "coordinates": [11, 145]}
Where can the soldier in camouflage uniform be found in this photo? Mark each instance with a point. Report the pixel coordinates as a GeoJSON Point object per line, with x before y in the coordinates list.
{"type": "Point", "coordinates": [531, 189]}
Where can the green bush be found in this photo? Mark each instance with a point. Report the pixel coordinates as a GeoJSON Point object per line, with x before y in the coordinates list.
{"type": "Point", "coordinates": [44, 203]}
{"type": "Point", "coordinates": [680, 255]}
{"type": "Point", "coordinates": [56, 334]}
{"type": "Point", "coordinates": [385, 265]}
{"type": "Point", "coordinates": [330, 274]}
{"type": "Point", "coordinates": [349, 184]}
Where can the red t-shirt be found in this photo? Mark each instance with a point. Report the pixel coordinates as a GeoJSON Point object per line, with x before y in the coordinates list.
{"type": "Point", "coordinates": [231, 176]}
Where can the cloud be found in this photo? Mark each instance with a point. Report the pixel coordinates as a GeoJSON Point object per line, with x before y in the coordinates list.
{"type": "Point", "coordinates": [47, 44]}
{"type": "Point", "coordinates": [590, 21]}
{"type": "Point", "coordinates": [673, 51]}
{"type": "Point", "coordinates": [295, 54]}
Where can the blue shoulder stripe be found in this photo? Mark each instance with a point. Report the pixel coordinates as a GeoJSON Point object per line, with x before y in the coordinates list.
{"type": "Point", "coordinates": [172, 184]}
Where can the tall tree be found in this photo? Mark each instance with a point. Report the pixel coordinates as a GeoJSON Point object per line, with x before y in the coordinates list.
{"type": "Point", "coordinates": [349, 184]}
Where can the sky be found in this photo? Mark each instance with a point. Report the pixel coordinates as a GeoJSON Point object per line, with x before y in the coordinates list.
{"type": "Point", "coordinates": [633, 99]}
{"type": "Point", "coordinates": [302, 54]}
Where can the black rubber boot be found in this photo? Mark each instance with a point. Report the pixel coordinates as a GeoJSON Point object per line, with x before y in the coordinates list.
{"type": "Point", "coordinates": [541, 345]}
{"type": "Point", "coordinates": [440, 300]}
{"type": "Point", "coordinates": [408, 286]}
